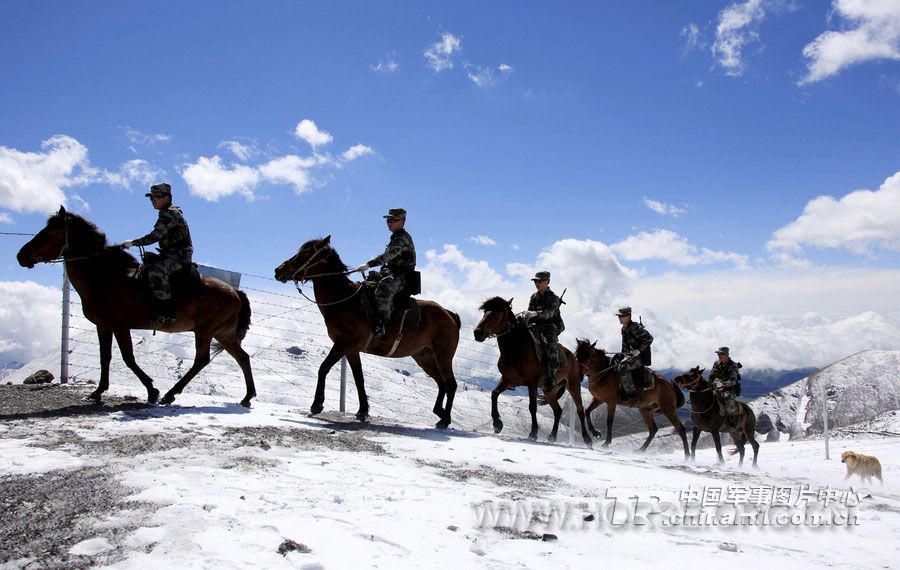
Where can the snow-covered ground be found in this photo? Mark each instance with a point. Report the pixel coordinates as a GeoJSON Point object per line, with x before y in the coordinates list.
{"type": "Point", "coordinates": [207, 484]}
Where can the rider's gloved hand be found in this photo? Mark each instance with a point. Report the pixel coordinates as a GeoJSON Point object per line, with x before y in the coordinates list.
{"type": "Point", "coordinates": [529, 314]}
{"type": "Point", "coordinates": [126, 244]}
{"type": "Point", "coordinates": [635, 352]}
{"type": "Point", "coordinates": [362, 267]}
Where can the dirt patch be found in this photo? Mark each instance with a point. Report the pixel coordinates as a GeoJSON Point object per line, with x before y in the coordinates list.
{"type": "Point", "coordinates": [263, 436]}
{"type": "Point", "coordinates": [20, 402]}
{"type": "Point", "coordinates": [44, 516]}
{"type": "Point", "coordinates": [521, 483]}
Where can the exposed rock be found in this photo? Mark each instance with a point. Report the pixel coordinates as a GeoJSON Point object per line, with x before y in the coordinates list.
{"type": "Point", "coordinates": [39, 377]}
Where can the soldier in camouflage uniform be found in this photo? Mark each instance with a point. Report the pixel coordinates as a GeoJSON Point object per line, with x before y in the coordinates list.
{"type": "Point", "coordinates": [725, 378]}
{"type": "Point", "coordinates": [543, 314]}
{"type": "Point", "coordinates": [636, 341]}
{"type": "Point", "coordinates": [397, 261]}
{"type": "Point", "coordinates": [175, 250]}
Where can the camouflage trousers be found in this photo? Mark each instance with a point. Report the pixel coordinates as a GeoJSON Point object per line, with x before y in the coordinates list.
{"type": "Point", "coordinates": [550, 342]}
{"type": "Point", "coordinates": [626, 369]}
{"type": "Point", "coordinates": [385, 292]}
{"type": "Point", "coordinates": [727, 397]}
{"type": "Point", "coordinates": [159, 274]}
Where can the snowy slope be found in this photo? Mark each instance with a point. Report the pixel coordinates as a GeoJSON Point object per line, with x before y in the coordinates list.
{"type": "Point", "coordinates": [859, 388]}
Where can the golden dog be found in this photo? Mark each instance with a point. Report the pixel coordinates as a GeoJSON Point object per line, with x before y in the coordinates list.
{"type": "Point", "coordinates": [865, 466]}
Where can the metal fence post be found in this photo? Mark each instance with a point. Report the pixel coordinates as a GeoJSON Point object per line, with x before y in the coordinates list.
{"type": "Point", "coordinates": [825, 415]}
{"type": "Point", "coordinates": [64, 333]}
{"type": "Point", "coordinates": [343, 384]}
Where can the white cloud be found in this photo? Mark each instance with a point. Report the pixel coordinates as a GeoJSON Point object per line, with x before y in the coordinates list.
{"type": "Point", "coordinates": [736, 27]}
{"type": "Point", "coordinates": [387, 65]}
{"type": "Point", "coordinates": [485, 76]}
{"type": "Point", "coordinates": [859, 222]}
{"type": "Point", "coordinates": [356, 151]}
{"type": "Point", "coordinates": [691, 35]}
{"type": "Point", "coordinates": [208, 178]}
{"type": "Point", "coordinates": [137, 137]}
{"type": "Point", "coordinates": [664, 209]}
{"type": "Point", "coordinates": [290, 169]}
{"type": "Point", "coordinates": [505, 68]}
{"type": "Point", "coordinates": [871, 32]}
{"type": "Point", "coordinates": [130, 172]}
{"type": "Point", "coordinates": [34, 181]}
{"type": "Point", "coordinates": [668, 246]}
{"type": "Point", "coordinates": [483, 240]}
{"type": "Point", "coordinates": [241, 151]}
{"type": "Point", "coordinates": [439, 55]}
{"type": "Point", "coordinates": [29, 319]}
{"type": "Point", "coordinates": [308, 131]}
{"type": "Point", "coordinates": [5, 218]}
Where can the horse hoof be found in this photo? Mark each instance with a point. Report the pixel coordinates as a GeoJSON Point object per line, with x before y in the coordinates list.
{"type": "Point", "coordinates": [443, 424]}
{"type": "Point", "coordinates": [245, 402]}
{"type": "Point", "coordinates": [152, 396]}
{"type": "Point", "coordinates": [362, 416]}
{"type": "Point", "coordinates": [551, 438]}
{"type": "Point", "coordinates": [532, 436]}
{"type": "Point", "coordinates": [605, 444]}
{"type": "Point", "coordinates": [316, 409]}
{"type": "Point", "coordinates": [498, 426]}
{"type": "Point", "coordinates": [167, 399]}
{"type": "Point", "coordinates": [597, 434]}
{"type": "Point", "coordinates": [589, 442]}
{"type": "Point", "coordinates": [92, 397]}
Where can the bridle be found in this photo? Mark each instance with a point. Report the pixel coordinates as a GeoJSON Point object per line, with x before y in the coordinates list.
{"type": "Point", "coordinates": [691, 387]}
{"type": "Point", "coordinates": [308, 265]}
{"type": "Point", "coordinates": [585, 366]}
{"type": "Point", "coordinates": [507, 326]}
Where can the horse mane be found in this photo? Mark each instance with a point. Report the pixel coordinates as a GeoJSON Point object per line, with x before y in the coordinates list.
{"type": "Point", "coordinates": [88, 236]}
{"type": "Point", "coordinates": [494, 304]}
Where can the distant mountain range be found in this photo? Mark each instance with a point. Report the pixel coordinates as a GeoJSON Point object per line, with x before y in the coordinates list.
{"type": "Point", "coordinates": [7, 366]}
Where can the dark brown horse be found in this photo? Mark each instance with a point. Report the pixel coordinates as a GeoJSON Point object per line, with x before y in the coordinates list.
{"type": "Point", "coordinates": [520, 365]}
{"type": "Point", "coordinates": [115, 302]}
{"type": "Point", "coordinates": [603, 383]}
{"type": "Point", "coordinates": [432, 343]}
{"type": "Point", "coordinates": [706, 416]}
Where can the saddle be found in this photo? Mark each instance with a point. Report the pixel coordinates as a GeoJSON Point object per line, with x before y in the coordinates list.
{"type": "Point", "coordinates": [644, 378]}
{"type": "Point", "coordinates": [538, 341]}
{"type": "Point", "coordinates": [405, 306]}
{"type": "Point", "coordinates": [186, 283]}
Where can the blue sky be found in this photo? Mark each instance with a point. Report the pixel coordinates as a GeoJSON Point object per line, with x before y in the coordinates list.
{"type": "Point", "coordinates": [672, 140]}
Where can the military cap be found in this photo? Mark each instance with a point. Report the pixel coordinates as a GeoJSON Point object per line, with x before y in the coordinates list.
{"type": "Point", "coordinates": [541, 276]}
{"type": "Point", "coordinates": [624, 312]}
{"type": "Point", "coordinates": [161, 189]}
{"type": "Point", "coordinates": [722, 350]}
{"type": "Point", "coordinates": [398, 213]}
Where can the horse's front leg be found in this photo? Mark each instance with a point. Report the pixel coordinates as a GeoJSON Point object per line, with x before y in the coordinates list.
{"type": "Point", "coordinates": [696, 436]}
{"type": "Point", "coordinates": [532, 409]}
{"type": "Point", "coordinates": [333, 356]}
{"type": "Point", "coordinates": [123, 338]}
{"type": "Point", "coordinates": [356, 367]}
{"type": "Point", "coordinates": [587, 418]}
{"type": "Point", "coordinates": [610, 417]}
{"type": "Point", "coordinates": [495, 413]}
{"type": "Point", "coordinates": [104, 336]}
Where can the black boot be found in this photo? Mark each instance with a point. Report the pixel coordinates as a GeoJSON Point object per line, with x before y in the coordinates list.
{"type": "Point", "coordinates": [378, 329]}
{"type": "Point", "coordinates": [165, 313]}
{"type": "Point", "coordinates": [549, 381]}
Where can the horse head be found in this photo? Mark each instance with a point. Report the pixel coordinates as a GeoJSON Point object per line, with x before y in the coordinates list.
{"type": "Point", "coordinates": [590, 358]}
{"type": "Point", "coordinates": [690, 380]}
{"type": "Point", "coordinates": [312, 254]}
{"type": "Point", "coordinates": [497, 320]}
{"type": "Point", "coordinates": [49, 243]}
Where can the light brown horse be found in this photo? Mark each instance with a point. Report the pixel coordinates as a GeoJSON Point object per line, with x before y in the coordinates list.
{"type": "Point", "coordinates": [706, 417]}
{"type": "Point", "coordinates": [115, 302]}
{"type": "Point", "coordinates": [603, 383]}
{"type": "Point", "coordinates": [432, 343]}
{"type": "Point", "coordinates": [520, 365]}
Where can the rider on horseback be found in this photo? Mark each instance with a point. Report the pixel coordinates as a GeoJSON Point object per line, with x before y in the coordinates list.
{"type": "Point", "coordinates": [636, 342]}
{"type": "Point", "coordinates": [543, 314]}
{"type": "Point", "coordinates": [175, 250]}
{"type": "Point", "coordinates": [397, 262]}
{"type": "Point", "coordinates": [726, 381]}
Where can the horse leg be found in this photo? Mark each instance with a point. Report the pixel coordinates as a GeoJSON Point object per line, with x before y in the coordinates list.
{"type": "Point", "coordinates": [696, 436]}
{"type": "Point", "coordinates": [104, 336]}
{"type": "Point", "coordinates": [426, 362]}
{"type": "Point", "coordinates": [587, 417]}
{"type": "Point", "coordinates": [532, 408]}
{"type": "Point", "coordinates": [739, 442]}
{"type": "Point", "coordinates": [123, 338]}
{"type": "Point", "coordinates": [495, 414]}
{"type": "Point", "coordinates": [333, 356]}
{"type": "Point", "coordinates": [750, 434]}
{"type": "Point", "coordinates": [201, 359]}
{"type": "Point", "coordinates": [233, 347]}
{"type": "Point", "coordinates": [574, 388]}
{"type": "Point", "coordinates": [356, 367]}
{"type": "Point", "coordinates": [610, 416]}
{"type": "Point", "coordinates": [717, 439]}
{"type": "Point", "coordinates": [444, 365]}
{"type": "Point", "coordinates": [651, 428]}
{"type": "Point", "coordinates": [672, 416]}
{"type": "Point", "coordinates": [557, 414]}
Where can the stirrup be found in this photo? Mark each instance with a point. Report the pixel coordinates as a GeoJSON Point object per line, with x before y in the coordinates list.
{"type": "Point", "coordinates": [164, 321]}
{"type": "Point", "coordinates": [378, 330]}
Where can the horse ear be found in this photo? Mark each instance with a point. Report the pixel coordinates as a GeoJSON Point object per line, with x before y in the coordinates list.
{"type": "Point", "coordinates": [594, 344]}
{"type": "Point", "coordinates": [701, 371]}
{"type": "Point", "coordinates": [326, 240]}
{"type": "Point", "coordinates": [510, 301]}
{"type": "Point", "coordinates": [61, 212]}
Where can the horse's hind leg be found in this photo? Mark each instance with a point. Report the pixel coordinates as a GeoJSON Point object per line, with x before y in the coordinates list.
{"type": "Point", "coordinates": [201, 359]}
{"type": "Point", "coordinates": [123, 338]}
{"type": "Point", "coordinates": [557, 414]}
{"type": "Point", "coordinates": [233, 347]}
{"type": "Point", "coordinates": [104, 336]}
{"type": "Point", "coordinates": [696, 436]}
{"type": "Point", "coordinates": [425, 359]}
{"type": "Point", "coordinates": [587, 418]}
{"type": "Point", "coordinates": [651, 427]}
{"type": "Point", "coordinates": [672, 416]}
{"type": "Point", "coordinates": [356, 367]}
{"type": "Point", "coordinates": [610, 416]}
{"type": "Point", "coordinates": [532, 409]}
{"type": "Point", "coordinates": [751, 437]}
{"type": "Point", "coordinates": [444, 364]}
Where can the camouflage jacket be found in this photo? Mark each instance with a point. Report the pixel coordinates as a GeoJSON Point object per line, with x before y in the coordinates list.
{"type": "Point", "coordinates": [547, 308]}
{"type": "Point", "coordinates": [636, 337]}
{"type": "Point", "coordinates": [725, 375]}
{"type": "Point", "coordinates": [399, 256]}
{"type": "Point", "coordinates": [172, 233]}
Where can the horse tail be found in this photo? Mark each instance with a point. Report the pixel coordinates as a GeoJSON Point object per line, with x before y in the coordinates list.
{"type": "Point", "coordinates": [243, 316]}
{"type": "Point", "coordinates": [679, 395]}
{"type": "Point", "coordinates": [456, 318]}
